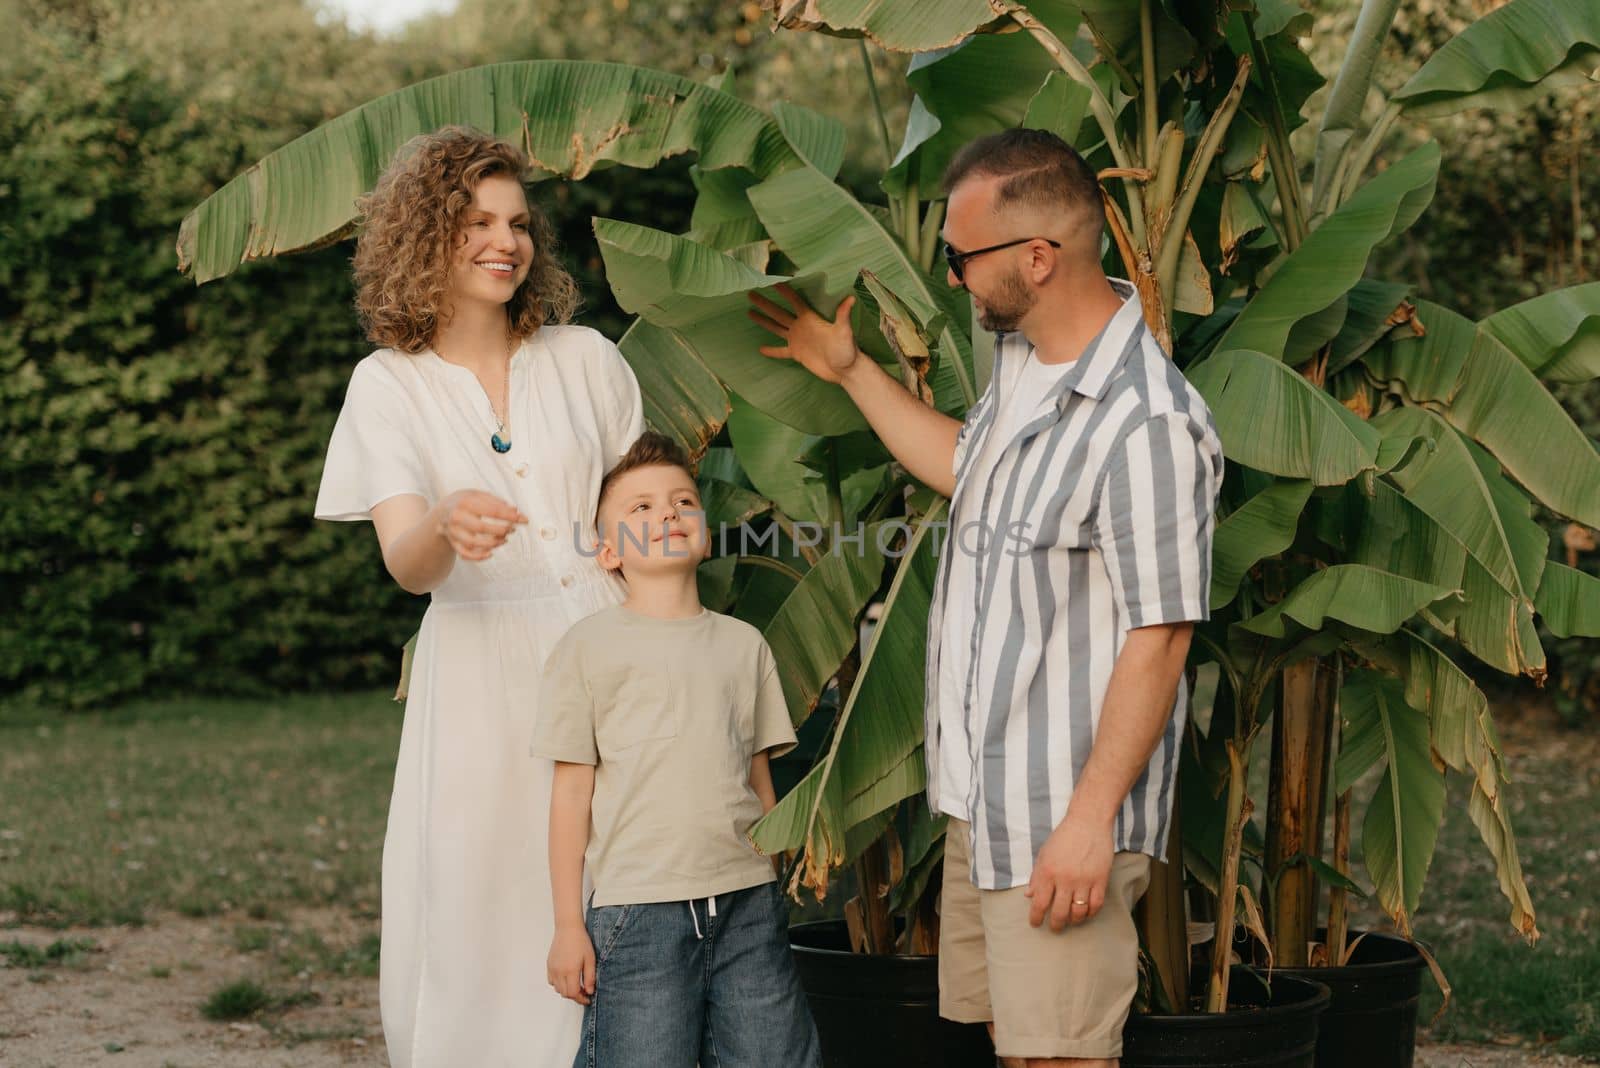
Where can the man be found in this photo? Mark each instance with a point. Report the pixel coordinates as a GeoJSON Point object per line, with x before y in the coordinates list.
{"type": "Point", "coordinates": [1082, 486]}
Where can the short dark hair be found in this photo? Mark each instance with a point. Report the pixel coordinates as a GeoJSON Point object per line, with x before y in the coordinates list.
{"type": "Point", "coordinates": [1039, 168]}
{"type": "Point", "coordinates": [651, 449]}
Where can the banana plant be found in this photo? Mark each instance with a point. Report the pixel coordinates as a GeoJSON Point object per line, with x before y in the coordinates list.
{"type": "Point", "coordinates": [1383, 452]}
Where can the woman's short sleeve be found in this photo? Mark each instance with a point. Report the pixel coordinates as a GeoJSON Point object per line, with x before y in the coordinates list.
{"type": "Point", "coordinates": [371, 455]}
{"type": "Point", "coordinates": [623, 408]}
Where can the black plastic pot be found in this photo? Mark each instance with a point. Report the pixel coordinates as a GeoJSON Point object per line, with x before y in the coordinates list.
{"type": "Point", "coordinates": [1264, 1027]}
{"type": "Point", "coordinates": [880, 1011]}
{"type": "Point", "coordinates": [1372, 1020]}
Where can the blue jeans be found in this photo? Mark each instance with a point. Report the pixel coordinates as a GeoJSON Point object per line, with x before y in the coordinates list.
{"type": "Point", "coordinates": [709, 982]}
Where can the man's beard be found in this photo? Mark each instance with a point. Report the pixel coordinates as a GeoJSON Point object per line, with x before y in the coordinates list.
{"type": "Point", "coordinates": [1004, 309]}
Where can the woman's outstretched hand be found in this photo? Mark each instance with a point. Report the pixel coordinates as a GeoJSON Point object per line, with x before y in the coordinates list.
{"type": "Point", "coordinates": [476, 523]}
{"type": "Point", "coordinates": [826, 349]}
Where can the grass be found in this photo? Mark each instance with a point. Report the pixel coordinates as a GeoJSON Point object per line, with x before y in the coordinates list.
{"type": "Point", "coordinates": [237, 1001]}
{"type": "Point", "coordinates": [67, 952]}
{"type": "Point", "coordinates": [249, 809]}
{"type": "Point", "coordinates": [207, 807]}
{"type": "Point", "coordinates": [246, 998]}
{"type": "Point", "coordinates": [1547, 994]}
{"type": "Point", "coordinates": [307, 952]}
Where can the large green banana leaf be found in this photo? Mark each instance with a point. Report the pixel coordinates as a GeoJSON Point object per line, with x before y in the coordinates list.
{"type": "Point", "coordinates": [1272, 419]}
{"type": "Point", "coordinates": [904, 779]}
{"type": "Point", "coordinates": [714, 582]}
{"type": "Point", "coordinates": [1394, 535]}
{"type": "Point", "coordinates": [727, 505]}
{"type": "Point", "coordinates": [1060, 106]}
{"type": "Point", "coordinates": [1463, 737]}
{"type": "Point", "coordinates": [570, 117]}
{"type": "Point", "coordinates": [1504, 547]}
{"type": "Point", "coordinates": [1117, 32]}
{"type": "Point", "coordinates": [722, 216]}
{"type": "Point", "coordinates": [682, 398]}
{"type": "Point", "coordinates": [1569, 601]}
{"type": "Point", "coordinates": [1294, 77]}
{"type": "Point", "coordinates": [1261, 527]}
{"type": "Point", "coordinates": [924, 26]}
{"type": "Point", "coordinates": [1508, 58]}
{"type": "Point", "coordinates": [1491, 815]}
{"type": "Point", "coordinates": [1308, 286]}
{"type": "Point", "coordinates": [1485, 392]}
{"type": "Point", "coordinates": [818, 138]}
{"type": "Point", "coordinates": [1557, 335]}
{"type": "Point", "coordinates": [770, 453]}
{"type": "Point", "coordinates": [1372, 303]}
{"type": "Point", "coordinates": [1403, 818]}
{"type": "Point", "coordinates": [699, 292]}
{"type": "Point", "coordinates": [873, 761]}
{"type": "Point", "coordinates": [826, 231]}
{"type": "Point", "coordinates": [816, 627]}
{"type": "Point", "coordinates": [1354, 594]}
{"type": "Point", "coordinates": [982, 86]}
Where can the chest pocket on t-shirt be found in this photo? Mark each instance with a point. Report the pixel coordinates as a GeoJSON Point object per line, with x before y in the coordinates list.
{"type": "Point", "coordinates": [636, 706]}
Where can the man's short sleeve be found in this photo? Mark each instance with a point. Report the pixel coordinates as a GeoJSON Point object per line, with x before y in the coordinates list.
{"type": "Point", "coordinates": [773, 730]}
{"type": "Point", "coordinates": [1154, 515]}
{"type": "Point", "coordinates": [564, 719]}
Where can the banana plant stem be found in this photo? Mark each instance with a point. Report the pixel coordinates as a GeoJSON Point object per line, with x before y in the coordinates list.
{"type": "Point", "coordinates": [1228, 879]}
{"type": "Point", "coordinates": [1338, 897]}
{"type": "Point", "coordinates": [1369, 148]}
{"type": "Point", "coordinates": [1343, 109]}
{"type": "Point", "coordinates": [835, 493]}
{"type": "Point", "coordinates": [877, 104]}
{"type": "Point", "coordinates": [931, 223]}
{"type": "Point", "coordinates": [1210, 144]}
{"type": "Point", "coordinates": [1149, 92]}
{"type": "Point", "coordinates": [1285, 173]}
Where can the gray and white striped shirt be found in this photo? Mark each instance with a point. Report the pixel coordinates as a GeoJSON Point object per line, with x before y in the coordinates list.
{"type": "Point", "coordinates": [1094, 519]}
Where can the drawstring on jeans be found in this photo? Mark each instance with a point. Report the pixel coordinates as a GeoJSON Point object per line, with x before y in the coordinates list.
{"type": "Point", "coordinates": [711, 912]}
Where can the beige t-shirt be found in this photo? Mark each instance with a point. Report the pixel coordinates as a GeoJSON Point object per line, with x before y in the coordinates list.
{"type": "Point", "coordinates": [670, 712]}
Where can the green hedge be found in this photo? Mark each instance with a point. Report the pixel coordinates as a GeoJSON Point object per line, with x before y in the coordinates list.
{"type": "Point", "coordinates": [162, 445]}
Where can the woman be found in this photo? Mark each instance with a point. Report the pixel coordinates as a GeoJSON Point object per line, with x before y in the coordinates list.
{"type": "Point", "coordinates": [475, 440]}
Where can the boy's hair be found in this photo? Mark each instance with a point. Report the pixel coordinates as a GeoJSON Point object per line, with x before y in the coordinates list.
{"type": "Point", "coordinates": [651, 449]}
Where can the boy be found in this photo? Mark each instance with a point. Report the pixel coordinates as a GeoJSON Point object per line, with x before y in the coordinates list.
{"type": "Point", "coordinates": [661, 717]}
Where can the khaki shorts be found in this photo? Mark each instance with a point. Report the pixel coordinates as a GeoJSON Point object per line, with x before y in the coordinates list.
{"type": "Point", "coordinates": [1048, 993]}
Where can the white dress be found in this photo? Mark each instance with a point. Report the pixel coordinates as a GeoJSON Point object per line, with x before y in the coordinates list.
{"type": "Point", "coordinates": [467, 916]}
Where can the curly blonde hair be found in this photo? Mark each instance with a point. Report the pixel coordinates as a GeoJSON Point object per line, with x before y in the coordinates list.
{"type": "Point", "coordinates": [410, 224]}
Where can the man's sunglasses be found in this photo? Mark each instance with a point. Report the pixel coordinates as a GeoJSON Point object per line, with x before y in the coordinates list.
{"type": "Point", "coordinates": [958, 260]}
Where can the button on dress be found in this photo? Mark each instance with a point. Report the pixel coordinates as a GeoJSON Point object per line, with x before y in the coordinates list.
{"type": "Point", "coordinates": [467, 914]}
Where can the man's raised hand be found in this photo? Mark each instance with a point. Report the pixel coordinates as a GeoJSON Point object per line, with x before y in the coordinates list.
{"type": "Point", "coordinates": [826, 349]}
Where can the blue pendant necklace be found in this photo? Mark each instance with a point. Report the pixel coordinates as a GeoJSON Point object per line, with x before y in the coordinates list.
{"type": "Point", "coordinates": [500, 441]}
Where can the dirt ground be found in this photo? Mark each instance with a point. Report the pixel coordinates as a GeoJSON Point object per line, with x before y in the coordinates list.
{"type": "Point", "coordinates": [134, 1002]}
